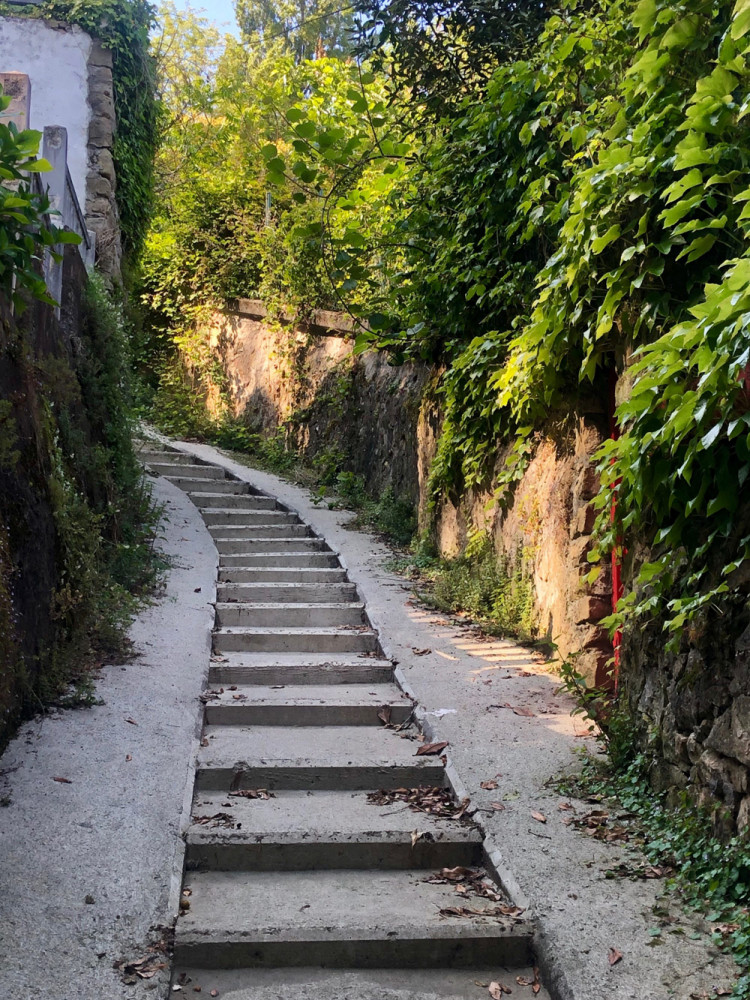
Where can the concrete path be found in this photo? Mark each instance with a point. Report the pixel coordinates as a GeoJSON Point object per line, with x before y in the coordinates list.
{"type": "Point", "coordinates": [511, 735]}
{"type": "Point", "coordinates": [289, 862]}
{"type": "Point", "coordinates": [90, 865]}
{"type": "Point", "coordinates": [90, 872]}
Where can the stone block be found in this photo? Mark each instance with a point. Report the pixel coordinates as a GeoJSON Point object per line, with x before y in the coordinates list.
{"type": "Point", "coordinates": [101, 162]}
{"type": "Point", "coordinates": [587, 484]}
{"type": "Point", "coordinates": [99, 186]}
{"type": "Point", "coordinates": [101, 131]}
{"type": "Point", "coordinates": [579, 549]}
{"type": "Point", "coordinates": [724, 779]}
{"type": "Point", "coordinates": [602, 585]}
{"type": "Point", "coordinates": [590, 609]}
{"type": "Point", "coordinates": [664, 776]}
{"type": "Point", "coordinates": [103, 103]}
{"type": "Point", "coordinates": [583, 521]}
{"type": "Point", "coordinates": [98, 206]}
{"type": "Point", "coordinates": [730, 734]}
{"type": "Point", "coordinates": [743, 814]}
{"type": "Point", "coordinates": [99, 76]}
{"type": "Point", "coordinates": [99, 56]}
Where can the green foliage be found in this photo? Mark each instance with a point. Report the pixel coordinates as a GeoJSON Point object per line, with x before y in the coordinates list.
{"type": "Point", "coordinates": [123, 27]}
{"type": "Point", "coordinates": [493, 591]}
{"type": "Point", "coordinates": [593, 204]}
{"type": "Point", "coordinates": [388, 514]}
{"type": "Point", "coordinates": [308, 30]}
{"type": "Point", "coordinates": [711, 872]}
{"type": "Point", "coordinates": [25, 227]}
{"type": "Point", "coordinates": [442, 50]}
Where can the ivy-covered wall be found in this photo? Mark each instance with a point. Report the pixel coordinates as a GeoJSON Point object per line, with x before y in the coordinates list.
{"type": "Point", "coordinates": [75, 514]}
{"type": "Point", "coordinates": [305, 387]}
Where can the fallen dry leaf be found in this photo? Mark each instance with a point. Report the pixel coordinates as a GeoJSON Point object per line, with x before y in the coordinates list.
{"type": "Point", "coordinates": [539, 817]}
{"type": "Point", "coordinates": [197, 590]}
{"type": "Point", "coordinates": [490, 911]}
{"type": "Point", "coordinates": [497, 806]}
{"type": "Point", "coordinates": [533, 983]}
{"type": "Point", "coordinates": [420, 652]}
{"type": "Point", "coordinates": [214, 993]}
{"type": "Point", "coordinates": [488, 785]}
{"type": "Point", "coordinates": [128, 756]}
{"type": "Point", "coordinates": [385, 715]}
{"type": "Point", "coordinates": [614, 956]}
{"type": "Point", "coordinates": [516, 709]}
{"type": "Point", "coordinates": [435, 801]}
{"type": "Point", "coordinates": [63, 781]}
{"type": "Point", "coordinates": [431, 749]}
{"type": "Point", "coordinates": [252, 793]}
{"type": "Point", "coordinates": [131, 721]}
{"type": "Point", "coordinates": [496, 990]}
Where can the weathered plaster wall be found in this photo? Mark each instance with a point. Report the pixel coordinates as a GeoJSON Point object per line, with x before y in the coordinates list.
{"type": "Point", "coordinates": [71, 85]}
{"type": "Point", "coordinates": [56, 60]}
{"type": "Point", "coordinates": [380, 421]}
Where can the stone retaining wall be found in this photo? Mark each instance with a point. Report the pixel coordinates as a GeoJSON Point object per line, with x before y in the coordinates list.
{"type": "Point", "coordinates": [382, 422]}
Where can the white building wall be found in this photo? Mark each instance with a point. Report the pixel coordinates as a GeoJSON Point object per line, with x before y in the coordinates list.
{"type": "Point", "coordinates": [55, 59]}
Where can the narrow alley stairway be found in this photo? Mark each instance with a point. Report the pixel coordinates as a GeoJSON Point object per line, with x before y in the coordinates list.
{"type": "Point", "coordinates": [326, 855]}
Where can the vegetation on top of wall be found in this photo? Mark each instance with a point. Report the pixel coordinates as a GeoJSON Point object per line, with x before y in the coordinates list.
{"type": "Point", "coordinates": [591, 206]}
{"type": "Point", "coordinates": [123, 27]}
{"type": "Point", "coordinates": [73, 476]}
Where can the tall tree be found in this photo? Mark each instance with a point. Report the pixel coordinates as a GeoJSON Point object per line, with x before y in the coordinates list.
{"type": "Point", "coordinates": [442, 50]}
{"type": "Point", "coordinates": [309, 29]}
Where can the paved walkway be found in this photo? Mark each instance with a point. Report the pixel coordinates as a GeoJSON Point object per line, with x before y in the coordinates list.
{"type": "Point", "coordinates": [289, 860]}
{"type": "Point", "coordinates": [113, 835]}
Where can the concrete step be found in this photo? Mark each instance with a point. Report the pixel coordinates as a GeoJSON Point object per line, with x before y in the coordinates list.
{"type": "Point", "coordinates": [300, 559]}
{"type": "Point", "coordinates": [150, 455]}
{"type": "Point", "coordinates": [344, 918]}
{"type": "Point", "coordinates": [262, 543]}
{"type": "Point", "coordinates": [333, 758]}
{"type": "Point", "coordinates": [252, 531]}
{"type": "Point", "coordinates": [271, 574]}
{"type": "Point", "coordinates": [214, 516]}
{"type": "Point", "coordinates": [236, 501]}
{"type": "Point", "coordinates": [296, 668]}
{"type": "Point", "coordinates": [286, 593]}
{"type": "Point", "coordinates": [183, 470]}
{"type": "Point", "coordinates": [307, 983]}
{"type": "Point", "coordinates": [321, 830]}
{"type": "Point", "coordinates": [230, 487]}
{"type": "Point", "coordinates": [306, 705]}
{"type": "Point", "coordinates": [295, 640]}
{"type": "Point", "coordinates": [296, 614]}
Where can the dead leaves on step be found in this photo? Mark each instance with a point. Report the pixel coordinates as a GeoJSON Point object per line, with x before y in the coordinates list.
{"type": "Point", "coordinates": [533, 983]}
{"type": "Point", "coordinates": [467, 882]}
{"type": "Point", "coordinates": [252, 793]}
{"type": "Point", "coordinates": [502, 910]}
{"type": "Point", "coordinates": [148, 965]}
{"type": "Point", "coordinates": [497, 990]}
{"type": "Point", "coordinates": [431, 749]}
{"type": "Point", "coordinates": [435, 801]}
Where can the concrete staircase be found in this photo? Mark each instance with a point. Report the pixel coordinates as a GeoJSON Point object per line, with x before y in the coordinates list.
{"type": "Point", "coordinates": [289, 864]}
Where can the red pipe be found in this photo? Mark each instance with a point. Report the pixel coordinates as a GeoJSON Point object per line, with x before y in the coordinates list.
{"type": "Point", "coordinates": [617, 585]}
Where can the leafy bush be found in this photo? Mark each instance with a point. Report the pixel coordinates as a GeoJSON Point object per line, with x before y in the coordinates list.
{"type": "Point", "coordinates": [26, 230]}
{"type": "Point", "coordinates": [483, 585]}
